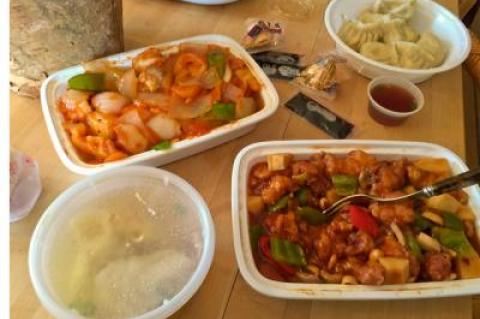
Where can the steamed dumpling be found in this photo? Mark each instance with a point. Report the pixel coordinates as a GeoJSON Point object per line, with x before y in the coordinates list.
{"type": "Point", "coordinates": [355, 33]}
{"type": "Point", "coordinates": [433, 46]}
{"type": "Point", "coordinates": [412, 56]}
{"type": "Point", "coordinates": [398, 30]}
{"type": "Point", "coordinates": [381, 52]}
{"type": "Point", "coordinates": [396, 8]}
{"type": "Point", "coordinates": [368, 16]}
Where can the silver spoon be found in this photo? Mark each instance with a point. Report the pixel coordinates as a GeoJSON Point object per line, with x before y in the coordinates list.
{"type": "Point", "coordinates": [455, 182]}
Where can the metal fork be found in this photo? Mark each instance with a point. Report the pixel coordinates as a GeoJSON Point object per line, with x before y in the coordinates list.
{"type": "Point", "coordinates": [455, 182]}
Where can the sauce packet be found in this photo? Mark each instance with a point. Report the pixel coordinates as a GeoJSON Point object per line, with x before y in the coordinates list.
{"type": "Point", "coordinates": [277, 57]}
{"type": "Point", "coordinates": [280, 71]}
{"type": "Point", "coordinates": [25, 185]}
{"type": "Point", "coordinates": [262, 34]}
{"type": "Point", "coordinates": [319, 116]}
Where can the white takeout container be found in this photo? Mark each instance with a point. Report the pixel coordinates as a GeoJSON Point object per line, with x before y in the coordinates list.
{"type": "Point", "coordinates": [60, 212]}
{"type": "Point", "coordinates": [54, 86]}
{"type": "Point", "coordinates": [428, 16]}
{"type": "Point", "coordinates": [257, 152]}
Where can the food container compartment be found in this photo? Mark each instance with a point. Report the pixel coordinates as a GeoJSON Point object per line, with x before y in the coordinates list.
{"type": "Point", "coordinates": [74, 202]}
{"type": "Point", "coordinates": [56, 84]}
{"type": "Point", "coordinates": [428, 15]}
{"type": "Point", "coordinates": [257, 152]}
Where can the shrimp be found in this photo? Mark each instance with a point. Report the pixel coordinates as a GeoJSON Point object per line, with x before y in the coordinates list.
{"type": "Point", "coordinates": [99, 147]}
{"type": "Point", "coordinates": [189, 65]}
{"type": "Point", "coordinates": [75, 105]}
{"type": "Point", "coordinates": [151, 78]}
{"type": "Point", "coordinates": [164, 127]}
{"type": "Point", "coordinates": [110, 102]}
{"type": "Point", "coordinates": [130, 138]}
{"type": "Point", "coordinates": [151, 56]}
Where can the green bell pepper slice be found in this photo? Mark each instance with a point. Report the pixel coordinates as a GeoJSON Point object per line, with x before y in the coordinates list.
{"type": "Point", "coordinates": [279, 205]}
{"type": "Point", "coordinates": [287, 252]}
{"type": "Point", "coordinates": [303, 195]}
{"type": "Point", "coordinates": [218, 61]}
{"type": "Point", "coordinates": [422, 223]}
{"type": "Point", "coordinates": [345, 185]}
{"type": "Point", "coordinates": [413, 245]}
{"type": "Point", "coordinates": [455, 240]}
{"type": "Point", "coordinates": [164, 145]}
{"type": "Point", "coordinates": [255, 232]}
{"type": "Point", "coordinates": [311, 215]}
{"type": "Point", "coordinates": [452, 221]}
{"type": "Point", "coordinates": [223, 111]}
{"type": "Point", "coordinates": [87, 82]}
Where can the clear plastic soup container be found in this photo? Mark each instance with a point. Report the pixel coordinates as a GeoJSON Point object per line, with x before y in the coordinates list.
{"type": "Point", "coordinates": [257, 152]}
{"type": "Point", "coordinates": [54, 86]}
{"type": "Point", "coordinates": [388, 117]}
{"type": "Point", "coordinates": [176, 192]}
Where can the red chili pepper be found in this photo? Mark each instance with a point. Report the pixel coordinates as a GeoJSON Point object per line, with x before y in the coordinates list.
{"type": "Point", "coordinates": [363, 220]}
{"type": "Point", "coordinates": [264, 245]}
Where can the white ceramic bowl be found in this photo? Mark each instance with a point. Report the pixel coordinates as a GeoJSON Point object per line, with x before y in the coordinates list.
{"type": "Point", "coordinates": [54, 86]}
{"type": "Point", "coordinates": [257, 152]}
{"type": "Point", "coordinates": [65, 206]}
{"type": "Point", "coordinates": [429, 16]}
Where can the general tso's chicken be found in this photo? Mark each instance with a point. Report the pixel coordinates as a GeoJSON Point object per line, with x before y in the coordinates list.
{"type": "Point", "coordinates": [370, 274]}
{"type": "Point", "coordinates": [277, 187]}
{"type": "Point", "coordinates": [282, 225]}
{"type": "Point", "coordinates": [437, 266]}
{"type": "Point", "coordinates": [359, 243]}
{"type": "Point", "coordinates": [401, 213]}
{"type": "Point", "coordinates": [392, 248]}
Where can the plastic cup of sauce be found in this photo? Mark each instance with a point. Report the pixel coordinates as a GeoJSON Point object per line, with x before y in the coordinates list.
{"type": "Point", "coordinates": [392, 100]}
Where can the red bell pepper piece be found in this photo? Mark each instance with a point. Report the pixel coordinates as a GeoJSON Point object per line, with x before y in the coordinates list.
{"type": "Point", "coordinates": [264, 245]}
{"type": "Point", "coordinates": [363, 220]}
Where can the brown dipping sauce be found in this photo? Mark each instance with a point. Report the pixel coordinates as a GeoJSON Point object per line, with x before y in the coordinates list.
{"type": "Point", "coordinates": [394, 98]}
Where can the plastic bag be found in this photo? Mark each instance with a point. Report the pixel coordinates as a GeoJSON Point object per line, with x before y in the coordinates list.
{"type": "Point", "coordinates": [320, 78]}
{"type": "Point", "coordinates": [25, 185]}
{"type": "Point", "coordinates": [262, 34]}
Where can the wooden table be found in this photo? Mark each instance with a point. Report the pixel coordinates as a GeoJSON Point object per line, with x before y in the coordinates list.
{"type": "Point", "coordinates": [224, 294]}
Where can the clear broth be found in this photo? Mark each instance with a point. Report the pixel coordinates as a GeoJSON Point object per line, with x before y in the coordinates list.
{"type": "Point", "coordinates": [126, 254]}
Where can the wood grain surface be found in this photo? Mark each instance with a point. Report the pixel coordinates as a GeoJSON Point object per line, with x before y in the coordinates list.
{"type": "Point", "coordinates": [224, 294]}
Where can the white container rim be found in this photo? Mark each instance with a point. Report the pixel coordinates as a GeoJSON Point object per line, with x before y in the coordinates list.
{"type": "Point", "coordinates": [35, 255]}
{"type": "Point", "coordinates": [442, 68]}
{"type": "Point", "coordinates": [393, 149]}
